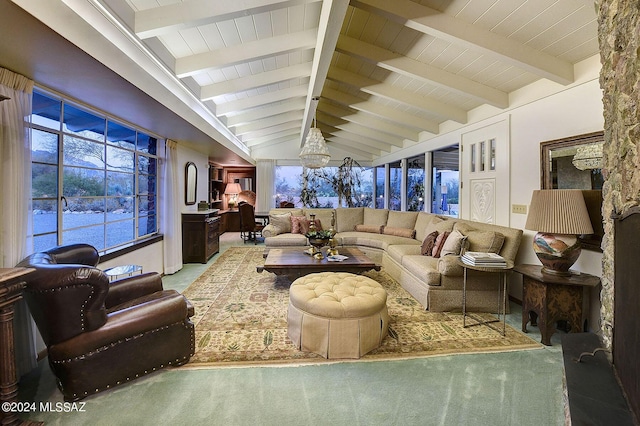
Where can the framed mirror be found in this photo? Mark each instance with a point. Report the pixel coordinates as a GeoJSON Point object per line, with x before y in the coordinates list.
{"type": "Point", "coordinates": [576, 163]}
{"type": "Point", "coordinates": [190, 183]}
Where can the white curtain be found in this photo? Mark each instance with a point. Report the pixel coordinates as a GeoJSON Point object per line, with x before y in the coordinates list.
{"type": "Point", "coordinates": [265, 184]}
{"type": "Point", "coordinates": [15, 199]}
{"type": "Point", "coordinates": [171, 225]}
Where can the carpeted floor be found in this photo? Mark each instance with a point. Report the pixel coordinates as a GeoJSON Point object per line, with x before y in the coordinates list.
{"type": "Point", "coordinates": [241, 318]}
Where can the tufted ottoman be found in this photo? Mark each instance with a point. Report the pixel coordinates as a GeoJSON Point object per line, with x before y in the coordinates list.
{"type": "Point", "coordinates": [337, 314]}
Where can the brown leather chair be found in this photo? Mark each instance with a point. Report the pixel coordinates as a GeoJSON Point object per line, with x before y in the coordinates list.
{"type": "Point", "coordinates": [100, 334]}
{"type": "Point", "coordinates": [249, 228]}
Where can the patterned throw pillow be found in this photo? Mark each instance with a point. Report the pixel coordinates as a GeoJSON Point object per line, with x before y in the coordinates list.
{"type": "Point", "coordinates": [306, 224]}
{"type": "Point", "coordinates": [298, 223]}
{"type": "Point", "coordinates": [427, 245]}
{"type": "Point", "coordinates": [281, 222]}
{"type": "Point", "coordinates": [440, 240]}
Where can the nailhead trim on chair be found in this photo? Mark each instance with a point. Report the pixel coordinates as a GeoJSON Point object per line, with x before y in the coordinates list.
{"type": "Point", "coordinates": [67, 287]}
{"type": "Point", "coordinates": [119, 382]}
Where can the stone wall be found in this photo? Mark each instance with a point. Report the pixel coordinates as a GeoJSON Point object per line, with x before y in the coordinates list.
{"type": "Point", "coordinates": [619, 38]}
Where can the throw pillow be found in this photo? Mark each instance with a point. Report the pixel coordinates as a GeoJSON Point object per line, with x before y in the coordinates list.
{"type": "Point", "coordinates": [399, 232]}
{"type": "Point", "coordinates": [427, 245]}
{"type": "Point", "coordinates": [440, 240]}
{"type": "Point", "coordinates": [453, 244]}
{"type": "Point", "coordinates": [306, 224]}
{"type": "Point", "coordinates": [484, 241]}
{"type": "Point", "coordinates": [297, 223]}
{"type": "Point", "coordinates": [374, 229]}
{"type": "Point", "coordinates": [281, 222]}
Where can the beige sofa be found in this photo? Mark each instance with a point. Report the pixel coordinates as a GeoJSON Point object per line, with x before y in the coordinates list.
{"type": "Point", "coordinates": [395, 240]}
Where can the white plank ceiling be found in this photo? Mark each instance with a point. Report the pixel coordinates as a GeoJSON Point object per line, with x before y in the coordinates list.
{"type": "Point", "coordinates": [384, 70]}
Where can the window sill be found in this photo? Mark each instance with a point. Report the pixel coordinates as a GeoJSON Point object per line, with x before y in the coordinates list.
{"type": "Point", "coordinates": [121, 251]}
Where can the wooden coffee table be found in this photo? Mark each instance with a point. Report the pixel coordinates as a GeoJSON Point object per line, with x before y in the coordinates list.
{"type": "Point", "coordinates": [294, 262]}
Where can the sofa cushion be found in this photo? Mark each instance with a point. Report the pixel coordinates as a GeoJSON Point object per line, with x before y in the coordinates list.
{"type": "Point", "coordinates": [374, 229]}
{"type": "Point", "coordinates": [348, 218]}
{"type": "Point", "coordinates": [399, 232]}
{"type": "Point", "coordinates": [379, 241]}
{"type": "Point", "coordinates": [281, 222]}
{"type": "Point", "coordinates": [402, 219]}
{"type": "Point", "coordinates": [398, 251]}
{"type": "Point", "coordinates": [453, 244]}
{"type": "Point", "coordinates": [286, 240]}
{"type": "Point", "coordinates": [422, 221]}
{"type": "Point", "coordinates": [477, 240]}
{"type": "Point", "coordinates": [375, 216]}
{"type": "Point", "coordinates": [322, 215]}
{"type": "Point", "coordinates": [440, 225]}
{"type": "Point", "coordinates": [427, 244]}
{"type": "Point", "coordinates": [423, 267]}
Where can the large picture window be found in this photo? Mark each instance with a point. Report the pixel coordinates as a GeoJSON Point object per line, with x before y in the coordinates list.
{"type": "Point", "coordinates": [94, 180]}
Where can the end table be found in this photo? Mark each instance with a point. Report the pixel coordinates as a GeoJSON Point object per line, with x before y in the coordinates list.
{"type": "Point", "coordinates": [502, 295]}
{"type": "Point", "coordinates": [548, 298]}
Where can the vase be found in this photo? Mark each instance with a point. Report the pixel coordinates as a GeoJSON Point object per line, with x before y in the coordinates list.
{"type": "Point", "coordinates": [317, 244]}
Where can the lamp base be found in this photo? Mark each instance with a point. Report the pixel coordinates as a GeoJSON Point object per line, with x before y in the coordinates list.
{"type": "Point", "coordinates": [556, 252]}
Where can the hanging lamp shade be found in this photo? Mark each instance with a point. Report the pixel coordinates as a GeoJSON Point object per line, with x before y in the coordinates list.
{"type": "Point", "coordinates": [315, 153]}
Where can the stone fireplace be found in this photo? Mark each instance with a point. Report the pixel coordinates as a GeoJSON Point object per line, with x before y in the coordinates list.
{"type": "Point", "coordinates": [618, 30]}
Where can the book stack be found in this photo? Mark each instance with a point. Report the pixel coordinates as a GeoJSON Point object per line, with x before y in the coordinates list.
{"type": "Point", "coordinates": [477, 258]}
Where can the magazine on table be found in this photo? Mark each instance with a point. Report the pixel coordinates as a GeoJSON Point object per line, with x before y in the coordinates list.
{"type": "Point", "coordinates": [478, 258]}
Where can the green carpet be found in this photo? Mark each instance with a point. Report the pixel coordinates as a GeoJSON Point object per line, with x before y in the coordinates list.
{"type": "Point", "coordinates": [241, 318]}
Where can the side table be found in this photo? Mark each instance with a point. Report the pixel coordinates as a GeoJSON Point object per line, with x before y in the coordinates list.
{"type": "Point", "coordinates": [502, 295]}
{"type": "Point", "coordinates": [548, 298]}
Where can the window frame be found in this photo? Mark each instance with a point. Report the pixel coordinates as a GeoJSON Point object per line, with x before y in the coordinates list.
{"type": "Point", "coordinates": [140, 155]}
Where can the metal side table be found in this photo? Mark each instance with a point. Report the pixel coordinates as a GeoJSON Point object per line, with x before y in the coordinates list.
{"type": "Point", "coordinates": [502, 295]}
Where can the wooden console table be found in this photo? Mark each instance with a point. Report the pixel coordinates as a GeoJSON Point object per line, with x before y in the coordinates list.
{"type": "Point", "coordinates": [548, 298]}
{"type": "Point", "coordinates": [11, 285]}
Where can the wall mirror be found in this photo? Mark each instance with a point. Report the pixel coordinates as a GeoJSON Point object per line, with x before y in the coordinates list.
{"type": "Point", "coordinates": [576, 163]}
{"type": "Point", "coordinates": [190, 183]}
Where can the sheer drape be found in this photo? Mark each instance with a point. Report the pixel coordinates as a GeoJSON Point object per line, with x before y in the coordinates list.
{"type": "Point", "coordinates": [265, 184]}
{"type": "Point", "coordinates": [171, 226]}
{"type": "Point", "coordinates": [15, 199]}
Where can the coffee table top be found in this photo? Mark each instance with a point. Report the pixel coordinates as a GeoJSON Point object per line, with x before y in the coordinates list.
{"type": "Point", "coordinates": [286, 260]}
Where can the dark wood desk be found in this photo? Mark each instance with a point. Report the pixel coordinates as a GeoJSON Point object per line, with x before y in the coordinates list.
{"type": "Point", "coordinates": [11, 285]}
{"type": "Point", "coordinates": [548, 298]}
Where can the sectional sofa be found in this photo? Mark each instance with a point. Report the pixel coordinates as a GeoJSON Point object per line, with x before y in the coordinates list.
{"type": "Point", "coordinates": [403, 243]}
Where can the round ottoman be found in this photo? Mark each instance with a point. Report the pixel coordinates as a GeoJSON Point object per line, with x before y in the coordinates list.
{"type": "Point", "coordinates": [337, 314]}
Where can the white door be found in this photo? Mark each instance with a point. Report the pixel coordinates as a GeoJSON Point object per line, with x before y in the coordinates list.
{"type": "Point", "coordinates": [484, 174]}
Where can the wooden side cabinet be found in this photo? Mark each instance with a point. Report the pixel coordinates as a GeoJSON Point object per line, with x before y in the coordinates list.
{"type": "Point", "coordinates": [200, 236]}
{"type": "Point", "coordinates": [11, 285]}
{"type": "Point", "coordinates": [548, 298]}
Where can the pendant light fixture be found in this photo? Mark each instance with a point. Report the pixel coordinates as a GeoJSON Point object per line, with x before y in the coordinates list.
{"type": "Point", "coordinates": [315, 153]}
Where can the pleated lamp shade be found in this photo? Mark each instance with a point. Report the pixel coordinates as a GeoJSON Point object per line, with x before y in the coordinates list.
{"type": "Point", "coordinates": [559, 215]}
{"type": "Point", "coordinates": [559, 211]}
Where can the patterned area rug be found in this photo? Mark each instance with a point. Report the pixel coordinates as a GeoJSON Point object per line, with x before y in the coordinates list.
{"type": "Point", "coordinates": [241, 318]}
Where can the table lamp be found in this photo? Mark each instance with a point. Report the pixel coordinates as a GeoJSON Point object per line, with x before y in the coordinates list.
{"type": "Point", "coordinates": [233, 189]}
{"type": "Point", "coordinates": [559, 216]}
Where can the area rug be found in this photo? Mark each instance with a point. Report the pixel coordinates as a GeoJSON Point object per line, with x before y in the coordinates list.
{"type": "Point", "coordinates": [241, 318]}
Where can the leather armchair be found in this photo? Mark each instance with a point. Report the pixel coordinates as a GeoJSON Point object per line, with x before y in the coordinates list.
{"type": "Point", "coordinates": [101, 334]}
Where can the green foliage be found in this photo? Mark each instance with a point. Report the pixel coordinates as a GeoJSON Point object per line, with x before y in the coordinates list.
{"type": "Point", "coordinates": [345, 182]}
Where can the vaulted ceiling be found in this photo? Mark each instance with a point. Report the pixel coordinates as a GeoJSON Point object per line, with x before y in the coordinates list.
{"type": "Point", "coordinates": [384, 71]}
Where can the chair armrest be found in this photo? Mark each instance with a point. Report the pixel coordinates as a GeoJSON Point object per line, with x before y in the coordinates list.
{"type": "Point", "coordinates": [129, 288]}
{"type": "Point", "coordinates": [168, 307]}
{"type": "Point", "coordinates": [449, 266]}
